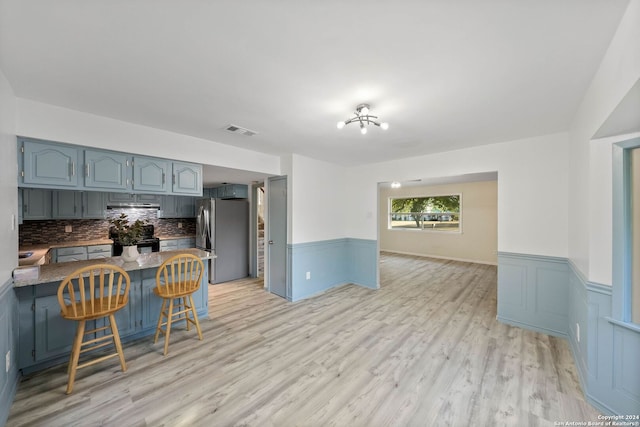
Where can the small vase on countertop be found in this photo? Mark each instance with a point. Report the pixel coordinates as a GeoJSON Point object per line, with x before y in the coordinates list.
{"type": "Point", "coordinates": [130, 253]}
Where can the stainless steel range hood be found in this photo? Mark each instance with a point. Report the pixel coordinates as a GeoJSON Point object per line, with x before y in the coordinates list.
{"type": "Point", "coordinates": [133, 205]}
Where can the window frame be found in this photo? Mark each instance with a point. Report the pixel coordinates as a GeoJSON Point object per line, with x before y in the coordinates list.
{"type": "Point", "coordinates": [426, 230]}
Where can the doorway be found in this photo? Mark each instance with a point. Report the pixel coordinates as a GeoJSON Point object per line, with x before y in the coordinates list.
{"type": "Point", "coordinates": [257, 230]}
{"type": "Point", "coordinates": [276, 232]}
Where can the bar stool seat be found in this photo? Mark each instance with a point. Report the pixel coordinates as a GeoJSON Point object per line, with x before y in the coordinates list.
{"type": "Point", "coordinates": [91, 293]}
{"type": "Point", "coordinates": [176, 281]}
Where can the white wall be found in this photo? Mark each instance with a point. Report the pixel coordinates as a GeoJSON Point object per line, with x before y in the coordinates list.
{"type": "Point", "coordinates": [8, 182]}
{"type": "Point", "coordinates": [532, 190]}
{"type": "Point", "coordinates": [590, 162]}
{"type": "Point", "coordinates": [38, 120]}
{"type": "Point", "coordinates": [317, 199]}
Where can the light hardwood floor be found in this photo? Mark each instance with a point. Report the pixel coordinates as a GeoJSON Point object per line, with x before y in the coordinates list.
{"type": "Point", "coordinates": [423, 350]}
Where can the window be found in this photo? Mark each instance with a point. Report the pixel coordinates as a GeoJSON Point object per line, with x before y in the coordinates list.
{"type": "Point", "coordinates": [432, 213]}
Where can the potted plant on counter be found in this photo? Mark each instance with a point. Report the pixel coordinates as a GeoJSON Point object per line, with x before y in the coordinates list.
{"type": "Point", "coordinates": [128, 235]}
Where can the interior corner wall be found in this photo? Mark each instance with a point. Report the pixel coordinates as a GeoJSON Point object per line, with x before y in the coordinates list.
{"type": "Point", "coordinates": [478, 239]}
{"type": "Point", "coordinates": [9, 248]}
{"type": "Point", "coordinates": [619, 71]}
{"type": "Point", "coordinates": [38, 120]}
{"type": "Point", "coordinates": [8, 182]}
{"type": "Point", "coordinates": [320, 252]}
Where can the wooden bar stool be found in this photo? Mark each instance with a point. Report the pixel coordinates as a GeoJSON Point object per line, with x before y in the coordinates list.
{"type": "Point", "coordinates": [92, 293]}
{"type": "Point", "coordinates": [176, 281]}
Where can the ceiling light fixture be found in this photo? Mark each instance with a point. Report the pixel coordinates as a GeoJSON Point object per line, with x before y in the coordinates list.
{"type": "Point", "coordinates": [396, 184]}
{"type": "Point", "coordinates": [363, 117]}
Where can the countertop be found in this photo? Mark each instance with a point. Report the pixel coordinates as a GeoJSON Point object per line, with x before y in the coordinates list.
{"type": "Point", "coordinates": [56, 272]}
{"type": "Point", "coordinates": [40, 251]}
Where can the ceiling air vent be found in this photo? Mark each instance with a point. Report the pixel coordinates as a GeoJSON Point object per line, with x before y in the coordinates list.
{"type": "Point", "coordinates": [240, 130]}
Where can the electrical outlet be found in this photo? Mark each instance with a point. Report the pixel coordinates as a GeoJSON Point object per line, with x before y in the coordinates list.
{"type": "Point", "coordinates": [179, 225]}
{"type": "Point", "coordinates": [7, 361]}
{"type": "Point", "coordinates": [578, 331]}
{"type": "Point", "coordinates": [308, 275]}
{"type": "Point", "coordinates": [68, 228]}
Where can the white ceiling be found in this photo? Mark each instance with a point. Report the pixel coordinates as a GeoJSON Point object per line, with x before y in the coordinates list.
{"type": "Point", "coordinates": [444, 74]}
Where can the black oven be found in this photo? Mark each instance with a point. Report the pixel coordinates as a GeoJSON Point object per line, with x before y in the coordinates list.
{"type": "Point", "coordinates": [146, 244]}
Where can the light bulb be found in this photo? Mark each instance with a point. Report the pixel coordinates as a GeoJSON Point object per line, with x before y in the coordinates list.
{"type": "Point", "coordinates": [341, 125]}
{"type": "Point", "coordinates": [363, 130]}
{"type": "Point", "coordinates": [384, 126]}
{"type": "Point", "coordinates": [395, 184]}
{"type": "Point", "coordinates": [364, 111]}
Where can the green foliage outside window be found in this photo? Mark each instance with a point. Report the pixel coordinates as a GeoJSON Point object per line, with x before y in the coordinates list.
{"type": "Point", "coordinates": [430, 212]}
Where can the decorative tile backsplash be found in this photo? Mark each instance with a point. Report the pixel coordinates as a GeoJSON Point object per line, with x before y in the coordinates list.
{"type": "Point", "coordinates": [45, 232]}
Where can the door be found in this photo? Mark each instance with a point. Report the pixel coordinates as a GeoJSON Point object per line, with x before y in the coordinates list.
{"type": "Point", "coordinates": [93, 204]}
{"type": "Point", "coordinates": [104, 169]}
{"type": "Point", "coordinates": [150, 174]}
{"type": "Point", "coordinates": [276, 274]}
{"type": "Point", "coordinates": [231, 240]}
{"type": "Point", "coordinates": [256, 231]}
{"type": "Point", "coordinates": [36, 203]}
{"type": "Point", "coordinates": [50, 164]}
{"type": "Point", "coordinates": [53, 334]}
{"type": "Point", "coordinates": [187, 178]}
{"type": "Point", "coordinates": [66, 204]}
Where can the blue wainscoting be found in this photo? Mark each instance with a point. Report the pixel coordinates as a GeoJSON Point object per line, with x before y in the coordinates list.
{"type": "Point", "coordinates": [331, 263]}
{"type": "Point", "coordinates": [8, 342]}
{"type": "Point", "coordinates": [549, 295]}
{"type": "Point", "coordinates": [533, 292]}
{"type": "Point", "coordinates": [607, 352]}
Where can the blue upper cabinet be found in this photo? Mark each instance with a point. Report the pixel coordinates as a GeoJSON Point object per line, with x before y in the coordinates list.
{"type": "Point", "coordinates": [150, 175]}
{"type": "Point", "coordinates": [49, 164]}
{"type": "Point", "coordinates": [45, 164]}
{"type": "Point", "coordinates": [187, 178]}
{"type": "Point", "coordinates": [36, 204]}
{"type": "Point", "coordinates": [66, 204]}
{"type": "Point", "coordinates": [105, 169]}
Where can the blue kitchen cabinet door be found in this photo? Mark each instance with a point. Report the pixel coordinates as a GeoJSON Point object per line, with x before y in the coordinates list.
{"type": "Point", "coordinates": [150, 174]}
{"type": "Point", "coordinates": [151, 303]}
{"type": "Point", "coordinates": [105, 169]}
{"type": "Point", "coordinates": [232, 191]}
{"type": "Point", "coordinates": [127, 318]}
{"type": "Point", "coordinates": [201, 296]}
{"type": "Point", "coordinates": [149, 198]}
{"type": "Point", "coordinates": [20, 205]}
{"type": "Point", "coordinates": [213, 193]}
{"type": "Point", "coordinates": [66, 204]}
{"type": "Point", "coordinates": [186, 207]}
{"type": "Point", "coordinates": [50, 164]}
{"type": "Point", "coordinates": [177, 207]}
{"type": "Point", "coordinates": [53, 334]}
{"type": "Point", "coordinates": [36, 204]}
{"type": "Point", "coordinates": [187, 178]}
{"type": "Point", "coordinates": [121, 198]}
{"type": "Point", "coordinates": [168, 207]}
{"type": "Point", "coordinates": [94, 205]}
{"type": "Point", "coordinates": [187, 242]}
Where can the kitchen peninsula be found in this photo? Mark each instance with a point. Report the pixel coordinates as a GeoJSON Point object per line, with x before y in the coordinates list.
{"type": "Point", "coordinates": [45, 338]}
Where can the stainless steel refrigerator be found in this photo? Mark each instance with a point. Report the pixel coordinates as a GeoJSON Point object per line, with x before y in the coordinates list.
{"type": "Point", "coordinates": [222, 226]}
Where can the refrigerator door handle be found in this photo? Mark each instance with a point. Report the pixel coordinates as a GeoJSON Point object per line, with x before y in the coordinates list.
{"type": "Point", "coordinates": [202, 226]}
{"type": "Point", "coordinates": [207, 228]}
